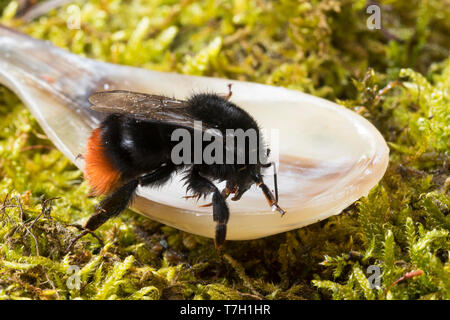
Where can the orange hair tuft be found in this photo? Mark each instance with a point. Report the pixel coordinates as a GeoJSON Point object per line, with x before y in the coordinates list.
{"type": "Point", "coordinates": [100, 173]}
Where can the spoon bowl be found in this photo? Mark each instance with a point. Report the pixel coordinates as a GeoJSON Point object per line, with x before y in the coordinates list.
{"type": "Point", "coordinates": [328, 155]}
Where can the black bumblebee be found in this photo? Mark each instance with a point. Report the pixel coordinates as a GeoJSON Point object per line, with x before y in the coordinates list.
{"type": "Point", "coordinates": [133, 145]}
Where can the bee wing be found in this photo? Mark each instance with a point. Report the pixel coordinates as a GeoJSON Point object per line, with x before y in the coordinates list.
{"type": "Point", "coordinates": [148, 107]}
{"type": "Point", "coordinates": [138, 105]}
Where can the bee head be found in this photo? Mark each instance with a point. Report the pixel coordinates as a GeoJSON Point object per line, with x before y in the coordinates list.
{"type": "Point", "coordinates": [244, 180]}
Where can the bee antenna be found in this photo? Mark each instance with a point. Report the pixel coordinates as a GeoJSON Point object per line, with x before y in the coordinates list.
{"type": "Point", "coordinates": [275, 180]}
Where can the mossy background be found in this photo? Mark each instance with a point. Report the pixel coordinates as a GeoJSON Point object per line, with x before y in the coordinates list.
{"type": "Point", "coordinates": [319, 47]}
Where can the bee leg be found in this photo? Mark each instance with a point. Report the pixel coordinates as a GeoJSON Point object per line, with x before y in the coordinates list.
{"type": "Point", "coordinates": [81, 235]}
{"type": "Point", "coordinates": [115, 203]}
{"type": "Point", "coordinates": [202, 186]}
{"type": "Point", "coordinates": [112, 205]}
{"type": "Point", "coordinates": [220, 216]}
{"type": "Point", "coordinates": [109, 207]}
{"type": "Point", "coordinates": [120, 199]}
{"type": "Point", "coordinates": [229, 94]}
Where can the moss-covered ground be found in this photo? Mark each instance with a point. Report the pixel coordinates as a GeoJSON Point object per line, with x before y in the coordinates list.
{"type": "Point", "coordinates": [397, 77]}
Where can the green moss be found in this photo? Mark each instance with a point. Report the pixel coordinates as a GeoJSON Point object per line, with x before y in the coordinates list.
{"type": "Point", "coordinates": [320, 47]}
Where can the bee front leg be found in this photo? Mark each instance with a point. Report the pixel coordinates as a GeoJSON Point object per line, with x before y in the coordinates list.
{"type": "Point", "coordinates": [202, 187]}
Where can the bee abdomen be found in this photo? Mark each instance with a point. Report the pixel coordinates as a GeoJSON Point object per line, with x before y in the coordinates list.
{"type": "Point", "coordinates": [100, 174]}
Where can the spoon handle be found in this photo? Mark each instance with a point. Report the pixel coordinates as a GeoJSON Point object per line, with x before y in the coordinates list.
{"type": "Point", "coordinates": [54, 84]}
{"type": "Point", "coordinates": [27, 62]}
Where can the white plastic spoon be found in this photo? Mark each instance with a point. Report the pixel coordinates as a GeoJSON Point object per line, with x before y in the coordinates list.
{"type": "Point", "coordinates": [329, 155]}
